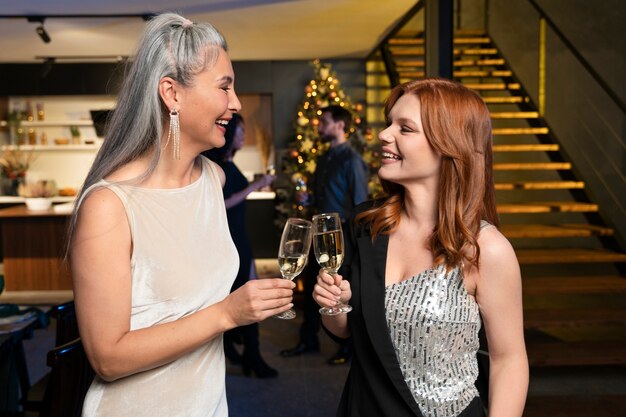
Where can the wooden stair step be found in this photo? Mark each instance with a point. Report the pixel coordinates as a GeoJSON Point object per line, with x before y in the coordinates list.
{"type": "Point", "coordinates": [478, 62]}
{"type": "Point", "coordinates": [412, 74]}
{"type": "Point", "coordinates": [574, 285]}
{"type": "Point", "coordinates": [475, 51]}
{"type": "Point", "coordinates": [506, 100]}
{"type": "Point", "coordinates": [563, 256]}
{"type": "Point", "coordinates": [515, 115]}
{"type": "Point", "coordinates": [471, 40]}
{"type": "Point", "coordinates": [520, 131]}
{"type": "Point", "coordinates": [406, 41]}
{"type": "Point", "coordinates": [457, 41]}
{"type": "Point", "coordinates": [526, 166]}
{"type": "Point", "coordinates": [577, 353]}
{"type": "Point", "coordinates": [482, 73]}
{"type": "Point", "coordinates": [539, 185]}
{"type": "Point", "coordinates": [513, 231]}
{"type": "Point", "coordinates": [546, 207]}
{"type": "Point", "coordinates": [565, 317]}
{"type": "Point", "coordinates": [492, 86]}
{"type": "Point", "coordinates": [404, 62]}
{"type": "Point", "coordinates": [531, 147]}
{"type": "Point", "coordinates": [408, 50]}
{"type": "Point", "coordinates": [410, 63]}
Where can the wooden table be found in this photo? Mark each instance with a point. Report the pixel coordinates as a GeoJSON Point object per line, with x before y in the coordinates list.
{"type": "Point", "coordinates": [34, 243]}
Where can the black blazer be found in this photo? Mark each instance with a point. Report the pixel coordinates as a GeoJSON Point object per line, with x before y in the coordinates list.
{"type": "Point", "coordinates": [375, 385]}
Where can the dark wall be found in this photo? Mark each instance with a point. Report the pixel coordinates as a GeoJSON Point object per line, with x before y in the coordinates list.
{"type": "Point", "coordinates": [589, 124]}
{"type": "Point", "coordinates": [60, 79]}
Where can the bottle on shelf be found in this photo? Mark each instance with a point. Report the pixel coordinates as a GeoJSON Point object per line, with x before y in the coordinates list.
{"type": "Point", "coordinates": [41, 114]}
{"type": "Point", "coordinates": [29, 112]}
{"type": "Point", "coordinates": [32, 136]}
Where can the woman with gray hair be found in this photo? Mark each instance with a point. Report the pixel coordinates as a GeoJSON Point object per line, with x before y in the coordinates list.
{"type": "Point", "coordinates": [151, 256]}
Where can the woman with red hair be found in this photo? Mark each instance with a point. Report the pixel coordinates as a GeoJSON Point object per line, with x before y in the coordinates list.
{"type": "Point", "coordinates": [431, 268]}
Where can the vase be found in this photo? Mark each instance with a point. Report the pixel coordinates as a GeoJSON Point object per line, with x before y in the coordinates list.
{"type": "Point", "coordinates": [11, 185]}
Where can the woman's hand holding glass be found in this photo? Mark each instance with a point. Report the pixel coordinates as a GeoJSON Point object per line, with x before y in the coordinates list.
{"type": "Point", "coordinates": [257, 300]}
{"type": "Point", "coordinates": [331, 290]}
{"type": "Point", "coordinates": [328, 248]}
{"type": "Point", "coordinates": [293, 253]}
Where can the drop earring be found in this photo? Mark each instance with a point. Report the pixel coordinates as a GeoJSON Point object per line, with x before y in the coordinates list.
{"type": "Point", "coordinates": [174, 131]}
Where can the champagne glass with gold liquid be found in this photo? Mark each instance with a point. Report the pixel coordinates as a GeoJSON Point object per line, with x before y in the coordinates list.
{"type": "Point", "coordinates": [293, 252]}
{"type": "Point", "coordinates": [328, 248]}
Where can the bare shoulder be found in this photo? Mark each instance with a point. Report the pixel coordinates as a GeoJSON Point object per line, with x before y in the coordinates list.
{"type": "Point", "coordinates": [100, 211]}
{"type": "Point", "coordinates": [496, 252]}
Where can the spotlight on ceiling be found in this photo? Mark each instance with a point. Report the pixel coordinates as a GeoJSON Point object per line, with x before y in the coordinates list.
{"type": "Point", "coordinates": [41, 31]}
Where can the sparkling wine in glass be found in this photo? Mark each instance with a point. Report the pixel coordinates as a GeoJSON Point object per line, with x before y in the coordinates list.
{"type": "Point", "coordinates": [293, 252]}
{"type": "Point", "coordinates": [328, 248]}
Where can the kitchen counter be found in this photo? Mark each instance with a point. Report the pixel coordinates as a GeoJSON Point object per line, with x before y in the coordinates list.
{"type": "Point", "coordinates": [33, 245]}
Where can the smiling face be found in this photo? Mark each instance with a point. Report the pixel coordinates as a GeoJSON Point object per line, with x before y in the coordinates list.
{"type": "Point", "coordinates": [407, 155]}
{"type": "Point", "coordinates": [207, 105]}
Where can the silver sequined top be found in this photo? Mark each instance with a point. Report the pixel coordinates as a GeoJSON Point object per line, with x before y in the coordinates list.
{"type": "Point", "coordinates": [434, 326]}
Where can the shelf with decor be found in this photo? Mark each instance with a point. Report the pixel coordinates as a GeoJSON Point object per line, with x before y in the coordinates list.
{"type": "Point", "coordinates": [51, 123]}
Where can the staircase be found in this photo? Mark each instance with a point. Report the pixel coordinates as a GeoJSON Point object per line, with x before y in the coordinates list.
{"type": "Point", "coordinates": [574, 274]}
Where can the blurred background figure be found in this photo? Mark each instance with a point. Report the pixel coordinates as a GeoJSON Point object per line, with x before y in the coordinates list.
{"type": "Point", "coordinates": [236, 189]}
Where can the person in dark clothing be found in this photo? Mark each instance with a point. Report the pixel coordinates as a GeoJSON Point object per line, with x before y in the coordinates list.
{"type": "Point", "coordinates": [339, 185]}
{"type": "Point", "coordinates": [236, 189]}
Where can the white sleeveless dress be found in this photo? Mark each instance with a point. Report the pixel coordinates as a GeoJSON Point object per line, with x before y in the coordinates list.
{"type": "Point", "coordinates": [183, 261]}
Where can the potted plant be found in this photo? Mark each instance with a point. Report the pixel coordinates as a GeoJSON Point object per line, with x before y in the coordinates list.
{"type": "Point", "coordinates": [14, 163]}
{"type": "Point", "coordinates": [75, 133]}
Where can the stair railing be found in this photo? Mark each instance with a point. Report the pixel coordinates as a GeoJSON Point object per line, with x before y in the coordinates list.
{"type": "Point", "coordinates": [383, 46]}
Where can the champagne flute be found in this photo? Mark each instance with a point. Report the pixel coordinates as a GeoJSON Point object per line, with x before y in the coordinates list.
{"type": "Point", "coordinates": [328, 248]}
{"type": "Point", "coordinates": [293, 252]}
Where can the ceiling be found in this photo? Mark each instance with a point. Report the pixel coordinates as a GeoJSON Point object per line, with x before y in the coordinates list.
{"type": "Point", "coordinates": [254, 29]}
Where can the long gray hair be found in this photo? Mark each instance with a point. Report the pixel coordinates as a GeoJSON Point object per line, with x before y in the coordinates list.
{"type": "Point", "coordinates": [171, 46]}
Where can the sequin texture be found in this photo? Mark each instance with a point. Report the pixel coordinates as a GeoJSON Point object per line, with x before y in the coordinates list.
{"type": "Point", "coordinates": [434, 324]}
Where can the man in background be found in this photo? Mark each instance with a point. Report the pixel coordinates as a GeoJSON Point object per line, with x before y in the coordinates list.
{"type": "Point", "coordinates": [340, 183]}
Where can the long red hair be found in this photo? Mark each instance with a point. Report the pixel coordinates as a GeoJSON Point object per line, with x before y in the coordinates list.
{"type": "Point", "coordinates": [457, 124]}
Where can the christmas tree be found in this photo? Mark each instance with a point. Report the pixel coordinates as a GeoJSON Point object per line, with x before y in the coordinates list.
{"type": "Point", "coordinates": [299, 160]}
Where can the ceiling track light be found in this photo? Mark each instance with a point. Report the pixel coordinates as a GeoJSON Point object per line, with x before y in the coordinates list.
{"type": "Point", "coordinates": [45, 37]}
{"type": "Point", "coordinates": [41, 31]}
